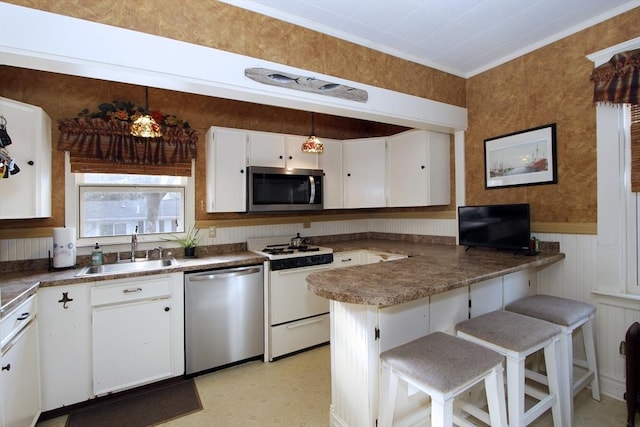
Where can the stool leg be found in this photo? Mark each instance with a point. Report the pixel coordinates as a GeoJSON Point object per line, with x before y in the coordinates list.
{"type": "Point", "coordinates": [590, 350]}
{"type": "Point", "coordinates": [441, 411]}
{"type": "Point", "coordinates": [515, 391]}
{"type": "Point", "coordinates": [494, 388]}
{"type": "Point", "coordinates": [554, 363]}
{"type": "Point", "coordinates": [387, 398]}
{"type": "Point", "coordinates": [565, 354]}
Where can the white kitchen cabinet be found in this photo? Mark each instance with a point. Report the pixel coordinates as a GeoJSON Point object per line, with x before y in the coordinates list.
{"type": "Point", "coordinates": [518, 285]}
{"type": "Point", "coordinates": [485, 296]}
{"type": "Point", "coordinates": [138, 331]}
{"type": "Point", "coordinates": [330, 161]}
{"type": "Point", "coordinates": [364, 172]}
{"type": "Point", "coordinates": [266, 149]}
{"type": "Point", "coordinates": [347, 259]}
{"type": "Point", "coordinates": [64, 314]}
{"type": "Point", "coordinates": [448, 309]}
{"type": "Point", "coordinates": [27, 194]}
{"type": "Point", "coordinates": [20, 379]}
{"type": "Point", "coordinates": [226, 170]}
{"type": "Point", "coordinates": [400, 324]}
{"type": "Point", "coordinates": [418, 169]}
{"type": "Point", "coordinates": [295, 158]}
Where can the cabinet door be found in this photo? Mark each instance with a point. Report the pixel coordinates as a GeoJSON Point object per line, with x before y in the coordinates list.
{"type": "Point", "coordinates": [485, 296]}
{"type": "Point", "coordinates": [64, 316]}
{"type": "Point", "coordinates": [27, 194]}
{"type": "Point", "coordinates": [131, 344]}
{"type": "Point", "coordinates": [419, 169]}
{"type": "Point", "coordinates": [20, 379]}
{"type": "Point", "coordinates": [266, 149]}
{"type": "Point", "coordinates": [330, 161]}
{"type": "Point", "coordinates": [448, 309]}
{"type": "Point", "coordinates": [226, 177]}
{"type": "Point", "coordinates": [295, 158]}
{"type": "Point", "coordinates": [402, 323]}
{"type": "Point", "coordinates": [347, 259]}
{"type": "Point", "coordinates": [364, 173]}
{"type": "Point", "coordinates": [517, 285]}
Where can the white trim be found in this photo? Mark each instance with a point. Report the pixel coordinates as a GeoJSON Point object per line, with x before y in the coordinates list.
{"type": "Point", "coordinates": [602, 56]}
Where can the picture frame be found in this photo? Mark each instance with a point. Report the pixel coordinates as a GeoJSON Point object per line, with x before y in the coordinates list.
{"type": "Point", "coordinates": [526, 157]}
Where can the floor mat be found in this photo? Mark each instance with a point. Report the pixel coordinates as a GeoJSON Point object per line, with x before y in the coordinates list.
{"type": "Point", "coordinates": [141, 409]}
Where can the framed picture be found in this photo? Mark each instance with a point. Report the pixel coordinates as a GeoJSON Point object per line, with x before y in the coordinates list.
{"type": "Point", "coordinates": [527, 157]}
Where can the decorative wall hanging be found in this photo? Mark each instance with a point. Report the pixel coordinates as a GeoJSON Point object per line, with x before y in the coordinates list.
{"type": "Point", "coordinates": [101, 142]}
{"type": "Point", "coordinates": [8, 165]}
{"type": "Point", "coordinates": [618, 80]}
{"type": "Point", "coordinates": [526, 157]}
{"type": "Point", "coordinates": [306, 84]}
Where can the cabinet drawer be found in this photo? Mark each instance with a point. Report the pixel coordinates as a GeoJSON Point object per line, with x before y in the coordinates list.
{"type": "Point", "coordinates": [12, 323]}
{"type": "Point", "coordinates": [347, 259]}
{"type": "Point", "coordinates": [298, 335]}
{"type": "Point", "coordinates": [117, 291]}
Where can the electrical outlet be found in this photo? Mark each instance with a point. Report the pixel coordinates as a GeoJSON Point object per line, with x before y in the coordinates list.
{"type": "Point", "coordinates": [212, 231]}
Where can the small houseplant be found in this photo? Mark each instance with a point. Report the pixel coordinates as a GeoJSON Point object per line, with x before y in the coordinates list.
{"type": "Point", "coordinates": [188, 241]}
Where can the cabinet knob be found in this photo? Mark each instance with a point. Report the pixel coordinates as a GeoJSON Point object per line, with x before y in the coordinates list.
{"type": "Point", "coordinates": [167, 308]}
{"type": "Point", "coordinates": [348, 174]}
{"type": "Point", "coordinates": [30, 162]}
{"type": "Point", "coordinates": [290, 157]}
{"type": "Point", "coordinates": [422, 167]}
{"type": "Point", "coordinates": [241, 170]}
{"type": "Point", "coordinates": [7, 367]}
{"type": "Point", "coordinates": [281, 157]}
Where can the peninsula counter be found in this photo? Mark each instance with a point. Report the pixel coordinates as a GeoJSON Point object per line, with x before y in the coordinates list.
{"type": "Point", "coordinates": [379, 306]}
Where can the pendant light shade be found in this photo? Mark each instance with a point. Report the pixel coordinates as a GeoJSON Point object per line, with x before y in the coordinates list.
{"type": "Point", "coordinates": [145, 126]}
{"type": "Point", "coordinates": [312, 144]}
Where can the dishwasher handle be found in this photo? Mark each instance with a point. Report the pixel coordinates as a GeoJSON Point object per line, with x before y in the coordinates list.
{"type": "Point", "coordinates": [224, 274]}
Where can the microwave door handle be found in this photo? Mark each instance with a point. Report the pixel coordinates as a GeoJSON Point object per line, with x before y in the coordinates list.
{"type": "Point", "coordinates": [312, 182]}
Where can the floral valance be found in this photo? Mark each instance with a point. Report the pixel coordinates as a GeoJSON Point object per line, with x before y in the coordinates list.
{"type": "Point", "coordinates": [618, 81]}
{"type": "Point", "coordinates": [102, 142]}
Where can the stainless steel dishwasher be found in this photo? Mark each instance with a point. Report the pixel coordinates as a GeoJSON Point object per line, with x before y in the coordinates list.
{"type": "Point", "coordinates": [224, 317]}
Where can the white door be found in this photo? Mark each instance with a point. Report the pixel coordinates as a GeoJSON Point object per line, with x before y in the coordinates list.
{"type": "Point", "coordinates": [400, 324]}
{"type": "Point", "coordinates": [485, 296]}
{"type": "Point", "coordinates": [266, 149]}
{"type": "Point", "coordinates": [407, 161]}
{"type": "Point", "coordinates": [330, 161]}
{"type": "Point", "coordinates": [131, 344]}
{"type": "Point", "coordinates": [364, 172]}
{"type": "Point", "coordinates": [448, 309]}
{"type": "Point", "coordinates": [226, 175]}
{"type": "Point", "coordinates": [20, 379]}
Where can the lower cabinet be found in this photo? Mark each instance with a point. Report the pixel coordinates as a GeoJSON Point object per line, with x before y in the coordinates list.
{"type": "Point", "coordinates": [137, 332]}
{"type": "Point", "coordinates": [20, 379]}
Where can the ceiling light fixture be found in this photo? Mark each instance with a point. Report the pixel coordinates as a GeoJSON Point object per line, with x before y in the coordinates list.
{"type": "Point", "coordinates": [145, 126]}
{"type": "Point", "coordinates": [312, 144]}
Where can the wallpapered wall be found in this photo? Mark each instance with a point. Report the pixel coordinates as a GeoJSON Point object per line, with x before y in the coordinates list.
{"type": "Point", "coordinates": [549, 85]}
{"type": "Point", "coordinates": [546, 86]}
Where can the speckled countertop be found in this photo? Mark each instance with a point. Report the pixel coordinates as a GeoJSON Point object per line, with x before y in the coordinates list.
{"type": "Point", "coordinates": [19, 285]}
{"type": "Point", "coordinates": [430, 269]}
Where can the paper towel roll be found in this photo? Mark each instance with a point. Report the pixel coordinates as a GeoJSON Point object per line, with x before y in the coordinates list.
{"type": "Point", "coordinates": [64, 247]}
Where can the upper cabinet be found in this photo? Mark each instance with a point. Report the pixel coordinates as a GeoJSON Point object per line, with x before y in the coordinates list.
{"type": "Point", "coordinates": [418, 169]}
{"type": "Point", "coordinates": [226, 175]}
{"type": "Point", "coordinates": [26, 194]}
{"type": "Point", "coordinates": [330, 161]}
{"type": "Point", "coordinates": [279, 151]}
{"type": "Point", "coordinates": [364, 172]}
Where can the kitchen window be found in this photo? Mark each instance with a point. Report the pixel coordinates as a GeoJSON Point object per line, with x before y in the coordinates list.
{"type": "Point", "coordinates": [108, 207]}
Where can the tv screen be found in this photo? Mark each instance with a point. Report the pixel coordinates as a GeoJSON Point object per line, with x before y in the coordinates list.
{"type": "Point", "coordinates": [495, 226]}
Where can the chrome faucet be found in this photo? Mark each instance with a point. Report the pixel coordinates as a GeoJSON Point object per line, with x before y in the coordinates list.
{"type": "Point", "coordinates": [134, 244]}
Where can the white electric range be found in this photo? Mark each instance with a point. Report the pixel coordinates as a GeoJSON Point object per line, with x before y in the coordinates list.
{"type": "Point", "coordinates": [297, 319]}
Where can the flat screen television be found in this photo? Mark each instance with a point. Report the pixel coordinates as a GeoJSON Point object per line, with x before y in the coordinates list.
{"type": "Point", "coordinates": [495, 226]}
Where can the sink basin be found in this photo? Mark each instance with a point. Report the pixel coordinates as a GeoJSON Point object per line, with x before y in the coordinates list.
{"type": "Point", "coordinates": [128, 267]}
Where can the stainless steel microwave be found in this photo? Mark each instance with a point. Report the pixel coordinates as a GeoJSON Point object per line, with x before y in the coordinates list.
{"type": "Point", "coordinates": [279, 189]}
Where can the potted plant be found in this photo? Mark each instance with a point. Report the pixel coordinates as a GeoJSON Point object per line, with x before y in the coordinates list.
{"type": "Point", "coordinates": [188, 241]}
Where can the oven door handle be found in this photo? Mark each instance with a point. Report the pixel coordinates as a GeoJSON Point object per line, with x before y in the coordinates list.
{"type": "Point", "coordinates": [312, 183]}
{"type": "Point", "coordinates": [224, 274]}
{"type": "Point", "coordinates": [302, 270]}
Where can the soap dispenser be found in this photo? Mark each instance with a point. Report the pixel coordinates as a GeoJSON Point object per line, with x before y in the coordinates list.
{"type": "Point", "coordinates": [96, 255]}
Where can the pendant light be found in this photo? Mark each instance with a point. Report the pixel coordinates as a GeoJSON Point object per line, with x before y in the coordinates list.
{"type": "Point", "coordinates": [312, 144]}
{"type": "Point", "coordinates": [145, 126]}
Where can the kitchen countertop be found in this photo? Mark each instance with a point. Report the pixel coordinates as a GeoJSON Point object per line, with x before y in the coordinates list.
{"type": "Point", "coordinates": [18, 286]}
{"type": "Point", "coordinates": [430, 269]}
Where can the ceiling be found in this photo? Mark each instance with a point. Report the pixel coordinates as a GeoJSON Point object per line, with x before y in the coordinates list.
{"type": "Point", "coordinates": [461, 37]}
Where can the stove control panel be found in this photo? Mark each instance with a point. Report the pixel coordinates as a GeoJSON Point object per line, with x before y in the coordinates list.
{"type": "Point", "coordinates": [301, 261]}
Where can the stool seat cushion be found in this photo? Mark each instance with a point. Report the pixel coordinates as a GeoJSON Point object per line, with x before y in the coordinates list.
{"type": "Point", "coordinates": [561, 311]}
{"type": "Point", "coordinates": [508, 330]}
{"type": "Point", "coordinates": [440, 361]}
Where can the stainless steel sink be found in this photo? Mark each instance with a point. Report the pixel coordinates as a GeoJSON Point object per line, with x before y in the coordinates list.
{"type": "Point", "coordinates": [128, 267]}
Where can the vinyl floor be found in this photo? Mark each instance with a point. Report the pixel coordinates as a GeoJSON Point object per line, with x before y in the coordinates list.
{"type": "Point", "coordinates": [296, 391]}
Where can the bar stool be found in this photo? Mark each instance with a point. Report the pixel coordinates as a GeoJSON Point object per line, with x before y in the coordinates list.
{"type": "Point", "coordinates": [444, 366]}
{"type": "Point", "coordinates": [569, 315]}
{"type": "Point", "coordinates": [516, 337]}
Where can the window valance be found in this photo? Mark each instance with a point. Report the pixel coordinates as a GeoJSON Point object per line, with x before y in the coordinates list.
{"type": "Point", "coordinates": [102, 143]}
{"type": "Point", "coordinates": [618, 81]}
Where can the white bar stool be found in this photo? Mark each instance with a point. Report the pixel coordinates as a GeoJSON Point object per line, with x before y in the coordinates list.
{"type": "Point", "coordinates": [444, 366]}
{"type": "Point", "coordinates": [517, 336]}
{"type": "Point", "coordinates": [569, 315]}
